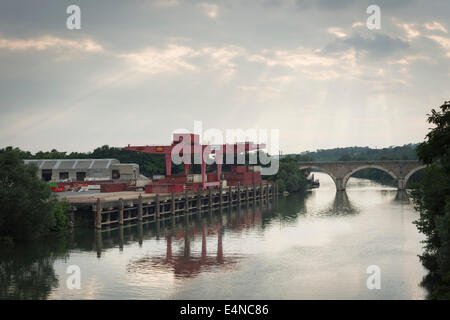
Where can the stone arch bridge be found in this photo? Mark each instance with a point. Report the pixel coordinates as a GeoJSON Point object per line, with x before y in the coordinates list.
{"type": "Point", "coordinates": [341, 171]}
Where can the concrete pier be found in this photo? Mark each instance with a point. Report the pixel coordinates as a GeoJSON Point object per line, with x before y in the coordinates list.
{"type": "Point", "coordinates": [120, 208]}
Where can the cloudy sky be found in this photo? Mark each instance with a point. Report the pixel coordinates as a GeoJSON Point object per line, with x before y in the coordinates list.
{"type": "Point", "coordinates": [137, 70]}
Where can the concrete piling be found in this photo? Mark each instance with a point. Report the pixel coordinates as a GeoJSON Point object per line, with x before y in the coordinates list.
{"type": "Point", "coordinates": [159, 207]}
{"type": "Point", "coordinates": [98, 217]}
{"type": "Point", "coordinates": [157, 204]}
{"type": "Point", "coordinates": [140, 207]}
{"type": "Point", "coordinates": [120, 211]}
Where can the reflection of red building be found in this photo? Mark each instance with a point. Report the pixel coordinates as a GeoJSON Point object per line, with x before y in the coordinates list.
{"type": "Point", "coordinates": [187, 265]}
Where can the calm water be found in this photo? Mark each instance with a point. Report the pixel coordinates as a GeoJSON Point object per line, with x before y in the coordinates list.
{"type": "Point", "coordinates": [313, 247]}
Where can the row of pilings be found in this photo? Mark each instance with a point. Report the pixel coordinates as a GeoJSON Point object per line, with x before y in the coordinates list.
{"type": "Point", "coordinates": [154, 207]}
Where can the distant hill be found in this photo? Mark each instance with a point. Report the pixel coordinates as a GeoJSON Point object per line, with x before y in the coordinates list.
{"type": "Point", "coordinates": [405, 152]}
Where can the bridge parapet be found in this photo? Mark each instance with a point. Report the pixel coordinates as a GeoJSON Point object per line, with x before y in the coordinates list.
{"type": "Point", "coordinates": [341, 171]}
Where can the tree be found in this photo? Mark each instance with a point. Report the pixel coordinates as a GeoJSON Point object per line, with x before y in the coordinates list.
{"type": "Point", "coordinates": [432, 200]}
{"type": "Point", "coordinates": [27, 209]}
{"type": "Point", "coordinates": [289, 177]}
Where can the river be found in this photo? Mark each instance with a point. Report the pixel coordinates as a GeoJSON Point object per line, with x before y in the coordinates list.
{"type": "Point", "coordinates": [317, 246]}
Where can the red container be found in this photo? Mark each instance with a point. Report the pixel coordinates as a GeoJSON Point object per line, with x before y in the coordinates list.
{"type": "Point", "coordinates": [164, 188]}
{"type": "Point", "coordinates": [113, 187]}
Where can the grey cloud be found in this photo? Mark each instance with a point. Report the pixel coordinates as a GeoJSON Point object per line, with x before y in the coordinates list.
{"type": "Point", "coordinates": [325, 4]}
{"type": "Point", "coordinates": [380, 45]}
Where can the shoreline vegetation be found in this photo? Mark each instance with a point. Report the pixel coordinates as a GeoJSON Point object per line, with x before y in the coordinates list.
{"type": "Point", "coordinates": [29, 210]}
{"type": "Point", "coordinates": [432, 200]}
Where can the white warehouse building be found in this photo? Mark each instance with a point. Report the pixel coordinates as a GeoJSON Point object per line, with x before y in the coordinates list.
{"type": "Point", "coordinates": [85, 169]}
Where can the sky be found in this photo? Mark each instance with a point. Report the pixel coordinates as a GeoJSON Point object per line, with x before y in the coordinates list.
{"type": "Point", "coordinates": [138, 70]}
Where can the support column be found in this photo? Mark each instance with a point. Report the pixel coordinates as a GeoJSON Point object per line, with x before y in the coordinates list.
{"type": "Point", "coordinates": [98, 216]}
{"type": "Point", "coordinates": [186, 202]}
{"type": "Point", "coordinates": [261, 194]}
{"type": "Point", "coordinates": [230, 197]}
{"type": "Point", "coordinates": [210, 198]}
{"type": "Point", "coordinates": [339, 184]}
{"type": "Point", "coordinates": [220, 194]}
{"type": "Point", "coordinates": [186, 212]}
{"type": "Point", "coordinates": [140, 207]}
{"type": "Point", "coordinates": [239, 194]}
{"type": "Point", "coordinates": [121, 211]}
{"type": "Point", "coordinates": [401, 185]}
{"type": "Point", "coordinates": [140, 233]}
{"type": "Point", "coordinates": [246, 197]}
{"type": "Point", "coordinates": [157, 208]}
{"type": "Point", "coordinates": [199, 199]}
{"type": "Point", "coordinates": [172, 203]}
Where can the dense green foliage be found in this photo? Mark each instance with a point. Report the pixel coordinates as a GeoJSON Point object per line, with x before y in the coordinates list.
{"type": "Point", "coordinates": [405, 152]}
{"type": "Point", "coordinates": [432, 200]}
{"type": "Point", "coordinates": [61, 211]}
{"type": "Point", "coordinates": [27, 208]}
{"type": "Point", "coordinates": [289, 178]}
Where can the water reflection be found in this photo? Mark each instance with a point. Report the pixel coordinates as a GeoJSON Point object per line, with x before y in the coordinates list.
{"type": "Point", "coordinates": [30, 273]}
{"type": "Point", "coordinates": [402, 197]}
{"type": "Point", "coordinates": [184, 262]}
{"type": "Point", "coordinates": [342, 205]}
{"type": "Point", "coordinates": [324, 239]}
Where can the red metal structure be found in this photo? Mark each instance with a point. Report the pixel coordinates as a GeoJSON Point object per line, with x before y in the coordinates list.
{"type": "Point", "coordinates": [187, 144]}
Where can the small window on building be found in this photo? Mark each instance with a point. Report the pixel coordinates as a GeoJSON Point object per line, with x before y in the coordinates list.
{"type": "Point", "coordinates": [47, 174]}
{"type": "Point", "coordinates": [81, 176]}
{"type": "Point", "coordinates": [63, 175]}
{"type": "Point", "coordinates": [115, 174]}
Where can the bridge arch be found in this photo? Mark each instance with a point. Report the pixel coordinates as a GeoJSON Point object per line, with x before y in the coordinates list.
{"type": "Point", "coordinates": [367, 166]}
{"type": "Point", "coordinates": [320, 168]}
{"type": "Point", "coordinates": [341, 171]}
{"type": "Point", "coordinates": [410, 173]}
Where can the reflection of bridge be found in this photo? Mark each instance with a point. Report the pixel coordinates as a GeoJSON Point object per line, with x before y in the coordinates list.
{"type": "Point", "coordinates": [341, 171]}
